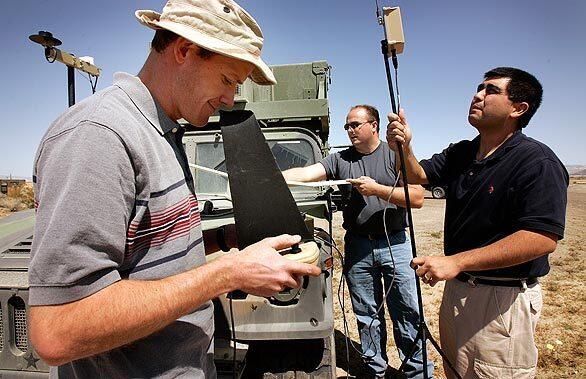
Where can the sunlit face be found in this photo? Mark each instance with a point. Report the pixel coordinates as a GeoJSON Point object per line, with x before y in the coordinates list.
{"type": "Point", "coordinates": [206, 84]}
{"type": "Point", "coordinates": [490, 106]}
{"type": "Point", "coordinates": [363, 127]}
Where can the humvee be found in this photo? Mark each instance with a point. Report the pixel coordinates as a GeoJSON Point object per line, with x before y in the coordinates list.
{"type": "Point", "coordinates": [287, 335]}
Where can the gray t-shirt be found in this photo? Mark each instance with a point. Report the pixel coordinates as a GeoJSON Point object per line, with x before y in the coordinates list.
{"type": "Point", "coordinates": [115, 201]}
{"type": "Point", "coordinates": [364, 214]}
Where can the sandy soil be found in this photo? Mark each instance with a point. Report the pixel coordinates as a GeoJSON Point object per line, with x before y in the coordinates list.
{"type": "Point", "coordinates": [560, 331]}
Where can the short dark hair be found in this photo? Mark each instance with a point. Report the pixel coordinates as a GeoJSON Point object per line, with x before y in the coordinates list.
{"type": "Point", "coordinates": [372, 112]}
{"type": "Point", "coordinates": [163, 38]}
{"type": "Point", "coordinates": [522, 87]}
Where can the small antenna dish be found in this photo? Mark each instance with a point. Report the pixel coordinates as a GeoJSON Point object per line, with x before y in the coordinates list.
{"type": "Point", "coordinates": [45, 38]}
{"type": "Point", "coordinates": [52, 54]}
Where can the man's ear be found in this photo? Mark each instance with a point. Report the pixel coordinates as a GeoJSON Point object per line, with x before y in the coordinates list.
{"type": "Point", "coordinates": [181, 48]}
{"type": "Point", "coordinates": [374, 126]}
{"type": "Point", "coordinates": [519, 109]}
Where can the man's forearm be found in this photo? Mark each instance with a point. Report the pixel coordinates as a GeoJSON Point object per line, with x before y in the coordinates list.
{"type": "Point", "coordinates": [108, 318]}
{"type": "Point", "coordinates": [397, 195]}
{"type": "Point", "coordinates": [519, 247]}
{"type": "Point", "coordinates": [295, 174]}
{"type": "Point", "coordinates": [315, 172]}
{"type": "Point", "coordinates": [415, 173]}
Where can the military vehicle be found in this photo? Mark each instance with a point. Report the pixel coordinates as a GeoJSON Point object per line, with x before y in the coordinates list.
{"type": "Point", "coordinates": [288, 335]}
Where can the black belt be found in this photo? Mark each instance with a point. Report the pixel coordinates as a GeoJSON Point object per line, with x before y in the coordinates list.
{"type": "Point", "coordinates": [473, 281]}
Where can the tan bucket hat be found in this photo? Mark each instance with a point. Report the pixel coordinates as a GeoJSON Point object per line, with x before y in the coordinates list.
{"type": "Point", "coordinates": [221, 26]}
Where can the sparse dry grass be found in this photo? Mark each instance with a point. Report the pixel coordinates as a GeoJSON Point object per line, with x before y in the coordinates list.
{"type": "Point", "coordinates": [563, 321]}
{"type": "Point", "coordinates": [436, 234]}
{"type": "Point", "coordinates": [12, 204]}
{"type": "Point", "coordinates": [560, 331]}
{"type": "Point", "coordinates": [578, 180]}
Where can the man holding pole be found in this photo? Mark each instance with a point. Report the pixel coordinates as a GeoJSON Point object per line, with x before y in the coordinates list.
{"type": "Point", "coordinates": [505, 212]}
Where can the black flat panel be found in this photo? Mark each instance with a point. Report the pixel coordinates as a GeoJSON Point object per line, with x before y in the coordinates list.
{"type": "Point", "coordinates": [263, 204]}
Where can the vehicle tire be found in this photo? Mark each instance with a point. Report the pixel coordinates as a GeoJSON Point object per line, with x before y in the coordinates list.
{"type": "Point", "coordinates": [438, 192]}
{"type": "Point", "coordinates": [285, 359]}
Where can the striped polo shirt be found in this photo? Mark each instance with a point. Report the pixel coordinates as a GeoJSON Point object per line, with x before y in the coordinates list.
{"type": "Point", "coordinates": [115, 200]}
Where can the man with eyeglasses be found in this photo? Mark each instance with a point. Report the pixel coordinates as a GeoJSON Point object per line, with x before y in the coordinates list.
{"type": "Point", "coordinates": [505, 212]}
{"type": "Point", "coordinates": [372, 270]}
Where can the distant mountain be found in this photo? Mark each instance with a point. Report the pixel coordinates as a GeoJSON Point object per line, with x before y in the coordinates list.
{"type": "Point", "coordinates": [576, 170]}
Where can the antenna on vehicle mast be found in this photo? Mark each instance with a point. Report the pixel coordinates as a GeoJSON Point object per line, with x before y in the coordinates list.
{"type": "Point", "coordinates": [52, 54]}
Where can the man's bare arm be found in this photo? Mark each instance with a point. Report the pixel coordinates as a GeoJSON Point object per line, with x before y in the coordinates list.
{"type": "Point", "coordinates": [131, 309]}
{"type": "Point", "coordinates": [369, 187]}
{"type": "Point", "coordinates": [314, 173]}
{"type": "Point", "coordinates": [398, 195]}
{"type": "Point", "coordinates": [519, 247]}
{"type": "Point", "coordinates": [398, 130]}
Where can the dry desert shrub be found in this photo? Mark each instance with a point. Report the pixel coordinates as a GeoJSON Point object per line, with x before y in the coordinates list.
{"type": "Point", "coordinates": [23, 198]}
{"type": "Point", "coordinates": [12, 204]}
{"type": "Point", "coordinates": [26, 195]}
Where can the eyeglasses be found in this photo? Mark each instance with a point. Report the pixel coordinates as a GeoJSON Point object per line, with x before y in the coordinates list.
{"type": "Point", "coordinates": [355, 125]}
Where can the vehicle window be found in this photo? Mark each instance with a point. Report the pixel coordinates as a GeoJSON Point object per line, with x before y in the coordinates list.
{"type": "Point", "coordinates": [288, 154]}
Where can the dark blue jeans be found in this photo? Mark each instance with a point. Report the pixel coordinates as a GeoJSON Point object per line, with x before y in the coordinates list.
{"type": "Point", "coordinates": [368, 266]}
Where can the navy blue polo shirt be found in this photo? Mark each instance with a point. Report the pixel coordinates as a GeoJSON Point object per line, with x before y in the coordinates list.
{"type": "Point", "coordinates": [521, 186]}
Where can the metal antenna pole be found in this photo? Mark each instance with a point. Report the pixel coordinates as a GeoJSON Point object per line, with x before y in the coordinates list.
{"type": "Point", "coordinates": [423, 333]}
{"type": "Point", "coordinates": [71, 85]}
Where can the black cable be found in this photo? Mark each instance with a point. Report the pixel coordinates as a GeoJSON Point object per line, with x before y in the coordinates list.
{"type": "Point", "coordinates": [363, 356]}
{"type": "Point", "coordinates": [341, 288]}
{"type": "Point", "coordinates": [387, 291]}
{"type": "Point", "coordinates": [327, 243]}
{"type": "Point", "coordinates": [333, 245]}
{"type": "Point", "coordinates": [346, 330]}
{"type": "Point", "coordinates": [396, 67]}
{"type": "Point", "coordinates": [398, 175]}
{"type": "Point", "coordinates": [94, 84]}
{"type": "Point", "coordinates": [233, 338]}
{"type": "Point", "coordinates": [341, 300]}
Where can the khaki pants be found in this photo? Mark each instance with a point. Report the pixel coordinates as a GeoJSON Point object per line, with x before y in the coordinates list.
{"type": "Point", "coordinates": [488, 331]}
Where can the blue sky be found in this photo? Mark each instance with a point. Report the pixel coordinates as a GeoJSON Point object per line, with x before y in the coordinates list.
{"type": "Point", "coordinates": [449, 45]}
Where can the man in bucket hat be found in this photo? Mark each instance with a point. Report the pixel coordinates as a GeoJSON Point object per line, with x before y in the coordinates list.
{"type": "Point", "coordinates": [118, 281]}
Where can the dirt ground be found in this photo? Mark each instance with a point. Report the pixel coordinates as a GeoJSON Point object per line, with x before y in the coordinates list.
{"type": "Point", "coordinates": [560, 331]}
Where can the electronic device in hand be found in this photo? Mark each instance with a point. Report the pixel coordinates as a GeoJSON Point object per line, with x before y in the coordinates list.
{"type": "Point", "coordinates": [307, 252]}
